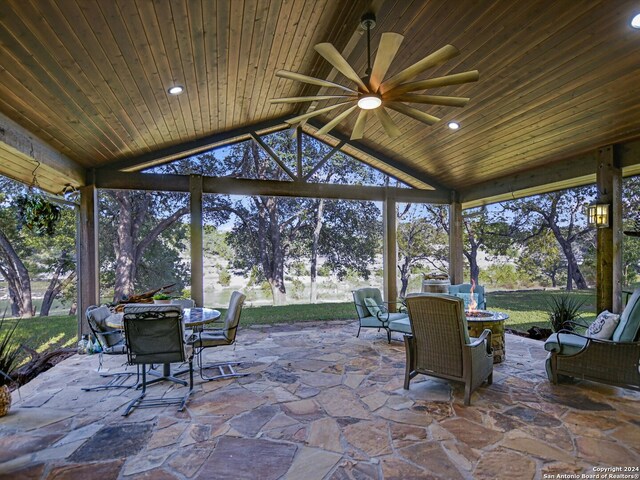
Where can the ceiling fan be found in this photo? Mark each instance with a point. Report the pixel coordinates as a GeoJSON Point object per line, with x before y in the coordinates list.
{"type": "Point", "coordinates": [374, 93]}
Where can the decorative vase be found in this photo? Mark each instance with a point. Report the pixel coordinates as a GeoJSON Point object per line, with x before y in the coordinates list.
{"type": "Point", "coordinates": [5, 400]}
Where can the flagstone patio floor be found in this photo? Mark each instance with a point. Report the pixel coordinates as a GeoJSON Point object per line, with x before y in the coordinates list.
{"type": "Point", "coordinates": [320, 403]}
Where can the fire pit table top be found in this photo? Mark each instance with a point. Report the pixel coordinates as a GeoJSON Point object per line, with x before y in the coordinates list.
{"type": "Point", "coordinates": [485, 316]}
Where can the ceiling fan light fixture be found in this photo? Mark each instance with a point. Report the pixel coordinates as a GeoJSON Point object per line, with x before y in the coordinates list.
{"type": "Point", "coordinates": [176, 90]}
{"type": "Point", "coordinates": [369, 101]}
{"type": "Point", "coordinates": [454, 125]}
{"type": "Point", "coordinates": [635, 21]}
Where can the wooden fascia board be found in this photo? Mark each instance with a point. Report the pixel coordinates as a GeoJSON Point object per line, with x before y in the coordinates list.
{"type": "Point", "coordinates": [238, 186]}
{"type": "Point", "coordinates": [25, 148]}
{"type": "Point", "coordinates": [183, 150]}
{"type": "Point", "coordinates": [371, 152]}
{"type": "Point", "coordinates": [569, 173]}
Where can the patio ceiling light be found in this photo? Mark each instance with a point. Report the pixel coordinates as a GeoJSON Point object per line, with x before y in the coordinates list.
{"type": "Point", "coordinates": [454, 125]}
{"type": "Point", "coordinates": [635, 21]}
{"type": "Point", "coordinates": [176, 90]}
{"type": "Point", "coordinates": [369, 101]}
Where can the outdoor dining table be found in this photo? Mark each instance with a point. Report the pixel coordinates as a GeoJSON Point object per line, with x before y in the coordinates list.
{"type": "Point", "coordinates": [193, 318]}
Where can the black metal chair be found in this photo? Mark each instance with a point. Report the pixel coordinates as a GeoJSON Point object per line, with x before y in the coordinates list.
{"type": "Point", "coordinates": [112, 342]}
{"type": "Point", "coordinates": [155, 334]}
{"type": "Point", "coordinates": [207, 338]}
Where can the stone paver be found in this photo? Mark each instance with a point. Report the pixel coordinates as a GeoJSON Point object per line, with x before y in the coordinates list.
{"type": "Point", "coordinates": [321, 404]}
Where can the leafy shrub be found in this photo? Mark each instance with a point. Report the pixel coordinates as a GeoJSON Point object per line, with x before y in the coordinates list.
{"type": "Point", "coordinates": [563, 310]}
{"type": "Point", "coordinates": [224, 277]}
{"type": "Point", "coordinates": [8, 352]}
{"type": "Point", "coordinates": [297, 288]}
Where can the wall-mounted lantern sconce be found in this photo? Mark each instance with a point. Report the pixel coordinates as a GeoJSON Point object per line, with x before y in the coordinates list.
{"type": "Point", "coordinates": [598, 215]}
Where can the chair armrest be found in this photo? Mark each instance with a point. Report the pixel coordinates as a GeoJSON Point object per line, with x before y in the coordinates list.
{"type": "Point", "coordinates": [485, 337]}
{"type": "Point", "coordinates": [599, 341]}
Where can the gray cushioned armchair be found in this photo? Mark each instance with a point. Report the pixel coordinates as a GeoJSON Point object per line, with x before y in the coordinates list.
{"type": "Point", "coordinates": [440, 345]}
{"type": "Point", "coordinates": [383, 319]}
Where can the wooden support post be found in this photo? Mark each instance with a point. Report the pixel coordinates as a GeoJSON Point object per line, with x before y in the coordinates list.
{"type": "Point", "coordinates": [197, 257]}
{"type": "Point", "coordinates": [87, 236]}
{"type": "Point", "coordinates": [609, 240]}
{"type": "Point", "coordinates": [455, 241]}
{"type": "Point", "coordinates": [299, 153]}
{"type": "Point", "coordinates": [389, 217]}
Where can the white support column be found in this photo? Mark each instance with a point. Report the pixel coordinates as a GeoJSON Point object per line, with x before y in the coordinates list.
{"type": "Point", "coordinates": [455, 242]}
{"type": "Point", "coordinates": [88, 276]}
{"type": "Point", "coordinates": [609, 240]}
{"type": "Point", "coordinates": [197, 257]}
{"type": "Point", "coordinates": [390, 260]}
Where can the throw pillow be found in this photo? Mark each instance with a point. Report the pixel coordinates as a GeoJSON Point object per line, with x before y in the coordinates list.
{"type": "Point", "coordinates": [372, 306]}
{"type": "Point", "coordinates": [603, 326]}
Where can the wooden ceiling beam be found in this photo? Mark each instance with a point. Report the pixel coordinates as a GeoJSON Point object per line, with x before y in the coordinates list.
{"type": "Point", "coordinates": [183, 150]}
{"type": "Point", "coordinates": [418, 175]}
{"type": "Point", "coordinates": [239, 186]}
{"type": "Point", "coordinates": [24, 154]}
{"type": "Point", "coordinates": [572, 172]}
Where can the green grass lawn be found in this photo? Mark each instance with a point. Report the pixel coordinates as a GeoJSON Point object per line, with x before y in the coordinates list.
{"type": "Point", "coordinates": [525, 309]}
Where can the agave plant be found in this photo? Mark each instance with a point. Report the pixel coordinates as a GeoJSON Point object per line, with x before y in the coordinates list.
{"type": "Point", "coordinates": [564, 310]}
{"type": "Point", "coordinates": [9, 352]}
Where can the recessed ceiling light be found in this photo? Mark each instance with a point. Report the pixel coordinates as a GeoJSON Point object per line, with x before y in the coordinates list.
{"type": "Point", "coordinates": [454, 125]}
{"type": "Point", "coordinates": [635, 21]}
{"type": "Point", "coordinates": [176, 90]}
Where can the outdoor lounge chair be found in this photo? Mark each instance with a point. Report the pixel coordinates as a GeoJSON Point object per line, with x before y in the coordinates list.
{"type": "Point", "coordinates": [209, 338]}
{"type": "Point", "coordinates": [155, 334]}
{"type": "Point", "coordinates": [111, 341]}
{"type": "Point", "coordinates": [374, 313]}
{"type": "Point", "coordinates": [614, 361]}
{"type": "Point", "coordinates": [440, 345]}
{"type": "Point", "coordinates": [463, 290]}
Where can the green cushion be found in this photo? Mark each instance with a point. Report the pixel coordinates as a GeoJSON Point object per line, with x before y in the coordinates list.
{"type": "Point", "coordinates": [372, 305]}
{"type": "Point", "coordinates": [568, 345]}
{"type": "Point", "coordinates": [400, 324]}
{"type": "Point", "coordinates": [466, 298]}
{"type": "Point", "coordinates": [627, 329]}
{"type": "Point", "coordinates": [374, 322]}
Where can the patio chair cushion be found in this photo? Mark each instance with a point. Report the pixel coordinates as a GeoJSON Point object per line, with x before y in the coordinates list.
{"type": "Point", "coordinates": [372, 306]}
{"type": "Point", "coordinates": [603, 326]}
{"type": "Point", "coordinates": [360, 294]}
{"type": "Point", "coordinates": [371, 321]}
{"type": "Point", "coordinates": [98, 318]}
{"type": "Point", "coordinates": [466, 298]}
{"type": "Point", "coordinates": [400, 324]}
{"type": "Point", "coordinates": [627, 329]}
{"type": "Point", "coordinates": [568, 344]}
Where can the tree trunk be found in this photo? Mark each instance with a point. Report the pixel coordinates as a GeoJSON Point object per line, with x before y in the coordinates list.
{"type": "Point", "coordinates": [53, 290]}
{"type": "Point", "coordinates": [17, 277]}
{"type": "Point", "coordinates": [472, 257]}
{"type": "Point", "coordinates": [124, 249]}
{"type": "Point", "coordinates": [314, 250]}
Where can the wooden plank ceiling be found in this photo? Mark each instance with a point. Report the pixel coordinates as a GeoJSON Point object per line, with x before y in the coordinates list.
{"type": "Point", "coordinates": [90, 77]}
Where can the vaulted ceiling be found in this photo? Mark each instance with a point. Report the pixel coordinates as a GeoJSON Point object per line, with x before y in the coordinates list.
{"type": "Point", "coordinates": [89, 78]}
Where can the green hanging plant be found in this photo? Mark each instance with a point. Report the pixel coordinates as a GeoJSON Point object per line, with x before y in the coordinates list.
{"type": "Point", "coordinates": [37, 213]}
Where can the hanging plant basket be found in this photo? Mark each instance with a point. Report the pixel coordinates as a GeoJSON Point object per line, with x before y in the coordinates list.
{"type": "Point", "coordinates": [37, 213]}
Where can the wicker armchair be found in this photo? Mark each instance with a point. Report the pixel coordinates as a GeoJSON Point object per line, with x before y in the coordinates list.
{"type": "Point", "coordinates": [440, 345]}
{"type": "Point", "coordinates": [614, 362]}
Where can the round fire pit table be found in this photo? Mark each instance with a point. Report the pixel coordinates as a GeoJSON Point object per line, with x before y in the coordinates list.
{"type": "Point", "coordinates": [478, 320]}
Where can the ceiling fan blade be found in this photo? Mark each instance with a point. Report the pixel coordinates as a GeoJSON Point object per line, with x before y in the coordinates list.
{"type": "Point", "coordinates": [432, 100]}
{"type": "Point", "coordinates": [387, 50]}
{"type": "Point", "coordinates": [413, 113]}
{"type": "Point", "coordinates": [436, 58]}
{"type": "Point", "coordinates": [304, 116]}
{"type": "Point", "coordinates": [387, 123]}
{"type": "Point", "coordinates": [358, 128]}
{"type": "Point", "coordinates": [309, 99]}
{"type": "Point", "coordinates": [327, 128]}
{"type": "Point", "coordinates": [455, 79]}
{"type": "Point", "coordinates": [311, 80]}
{"type": "Point", "coordinates": [333, 56]}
